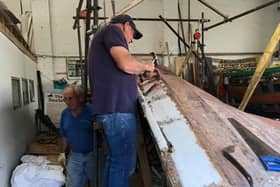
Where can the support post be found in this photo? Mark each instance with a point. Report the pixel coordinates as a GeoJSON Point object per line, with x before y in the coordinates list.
{"type": "Point", "coordinates": [242, 14]}
{"type": "Point", "coordinates": [213, 8]}
{"type": "Point", "coordinates": [262, 64]}
{"type": "Point", "coordinates": [181, 25]}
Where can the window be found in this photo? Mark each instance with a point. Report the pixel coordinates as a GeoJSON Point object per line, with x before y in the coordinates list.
{"type": "Point", "coordinates": [16, 94]}
{"type": "Point", "coordinates": [31, 91]}
{"type": "Point", "coordinates": [25, 95]}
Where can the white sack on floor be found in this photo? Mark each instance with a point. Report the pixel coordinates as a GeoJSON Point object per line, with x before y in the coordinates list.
{"type": "Point", "coordinates": [38, 160]}
{"type": "Point", "coordinates": [37, 175]}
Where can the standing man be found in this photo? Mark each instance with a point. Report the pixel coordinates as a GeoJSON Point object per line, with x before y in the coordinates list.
{"type": "Point", "coordinates": [113, 71]}
{"type": "Point", "coordinates": [76, 128]}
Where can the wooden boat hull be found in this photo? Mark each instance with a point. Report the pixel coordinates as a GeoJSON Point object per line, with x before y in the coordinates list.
{"type": "Point", "coordinates": [209, 129]}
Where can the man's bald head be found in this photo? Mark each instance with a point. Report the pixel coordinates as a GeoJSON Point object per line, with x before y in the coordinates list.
{"type": "Point", "coordinates": [73, 96]}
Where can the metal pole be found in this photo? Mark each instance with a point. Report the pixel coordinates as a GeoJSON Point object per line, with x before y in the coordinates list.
{"type": "Point", "coordinates": [40, 93]}
{"type": "Point", "coordinates": [98, 159]}
{"type": "Point", "coordinates": [182, 40]}
{"type": "Point", "coordinates": [95, 13]}
{"type": "Point", "coordinates": [113, 7]}
{"type": "Point", "coordinates": [202, 32]}
{"type": "Point", "coordinates": [76, 18]}
{"type": "Point", "coordinates": [178, 40]}
{"type": "Point", "coordinates": [212, 8]}
{"type": "Point", "coordinates": [154, 19]}
{"type": "Point", "coordinates": [21, 8]}
{"type": "Point", "coordinates": [181, 25]}
{"type": "Point", "coordinates": [79, 42]}
{"type": "Point", "coordinates": [189, 23]}
{"type": "Point", "coordinates": [242, 14]}
{"type": "Point", "coordinates": [84, 81]}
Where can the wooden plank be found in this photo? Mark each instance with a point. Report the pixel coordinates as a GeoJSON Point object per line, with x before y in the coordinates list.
{"type": "Point", "coordinates": [185, 62]}
{"type": "Point", "coordinates": [45, 145]}
{"type": "Point", "coordinates": [144, 167]}
{"type": "Point", "coordinates": [179, 61]}
{"type": "Point", "coordinates": [126, 8]}
{"type": "Point", "coordinates": [43, 149]}
{"type": "Point", "coordinates": [262, 64]}
{"type": "Point", "coordinates": [20, 45]}
{"type": "Point", "coordinates": [53, 159]}
{"type": "Point", "coordinates": [129, 6]}
{"type": "Point", "coordinates": [168, 54]}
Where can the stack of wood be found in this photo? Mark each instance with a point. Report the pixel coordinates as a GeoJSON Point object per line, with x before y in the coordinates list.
{"type": "Point", "coordinates": [45, 144]}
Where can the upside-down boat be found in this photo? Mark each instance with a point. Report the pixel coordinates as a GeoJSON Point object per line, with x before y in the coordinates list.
{"type": "Point", "coordinates": [204, 142]}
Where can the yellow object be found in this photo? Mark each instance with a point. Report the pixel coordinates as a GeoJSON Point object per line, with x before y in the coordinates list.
{"type": "Point", "coordinates": [262, 64]}
{"type": "Point", "coordinates": [62, 159]}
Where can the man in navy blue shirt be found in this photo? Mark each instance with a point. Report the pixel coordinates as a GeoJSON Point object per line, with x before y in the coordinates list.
{"type": "Point", "coordinates": [76, 128]}
{"type": "Point", "coordinates": [113, 71]}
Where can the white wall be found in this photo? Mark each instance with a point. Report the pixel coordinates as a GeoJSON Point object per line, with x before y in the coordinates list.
{"type": "Point", "coordinates": [54, 35]}
{"type": "Point", "coordinates": [152, 31]}
{"type": "Point", "coordinates": [246, 34]}
{"type": "Point", "coordinates": [17, 127]}
{"type": "Point", "coordinates": [22, 10]}
{"type": "Point", "coordinates": [64, 39]}
{"type": "Point", "coordinates": [14, 6]}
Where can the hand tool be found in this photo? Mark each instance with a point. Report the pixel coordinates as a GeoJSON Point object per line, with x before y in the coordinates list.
{"type": "Point", "coordinates": [227, 152]}
{"type": "Point", "coordinates": [262, 151]}
{"type": "Point", "coordinates": [149, 75]}
{"type": "Point", "coordinates": [271, 163]}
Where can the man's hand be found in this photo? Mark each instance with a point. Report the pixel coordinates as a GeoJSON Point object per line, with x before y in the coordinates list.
{"type": "Point", "coordinates": [151, 75]}
{"type": "Point", "coordinates": [149, 66]}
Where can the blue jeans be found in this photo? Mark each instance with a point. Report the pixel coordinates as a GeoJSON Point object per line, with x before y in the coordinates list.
{"type": "Point", "coordinates": [79, 168]}
{"type": "Point", "coordinates": [120, 133]}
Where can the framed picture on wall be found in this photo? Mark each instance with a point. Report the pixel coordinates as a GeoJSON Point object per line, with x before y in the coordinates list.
{"type": "Point", "coordinates": [74, 68]}
{"type": "Point", "coordinates": [16, 93]}
{"type": "Point", "coordinates": [25, 94]}
{"type": "Point", "coordinates": [31, 91]}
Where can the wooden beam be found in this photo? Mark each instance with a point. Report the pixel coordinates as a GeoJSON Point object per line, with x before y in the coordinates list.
{"type": "Point", "coordinates": [242, 14]}
{"type": "Point", "coordinates": [262, 64]}
{"type": "Point", "coordinates": [144, 168]}
{"type": "Point", "coordinates": [168, 53]}
{"type": "Point", "coordinates": [126, 8]}
{"type": "Point", "coordinates": [20, 44]}
{"type": "Point", "coordinates": [129, 6]}
{"type": "Point", "coordinates": [213, 8]}
{"type": "Point", "coordinates": [186, 60]}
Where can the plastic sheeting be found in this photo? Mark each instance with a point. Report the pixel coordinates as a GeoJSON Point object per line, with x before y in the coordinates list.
{"type": "Point", "coordinates": [34, 172]}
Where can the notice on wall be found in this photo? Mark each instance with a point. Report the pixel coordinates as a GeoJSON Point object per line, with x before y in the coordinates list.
{"type": "Point", "coordinates": [74, 68]}
{"type": "Point", "coordinates": [54, 107]}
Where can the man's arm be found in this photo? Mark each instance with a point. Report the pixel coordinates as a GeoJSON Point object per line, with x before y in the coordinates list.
{"type": "Point", "coordinates": [127, 63]}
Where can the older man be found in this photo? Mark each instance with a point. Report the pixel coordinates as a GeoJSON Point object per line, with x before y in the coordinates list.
{"type": "Point", "coordinates": [113, 73]}
{"type": "Point", "coordinates": [77, 131]}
